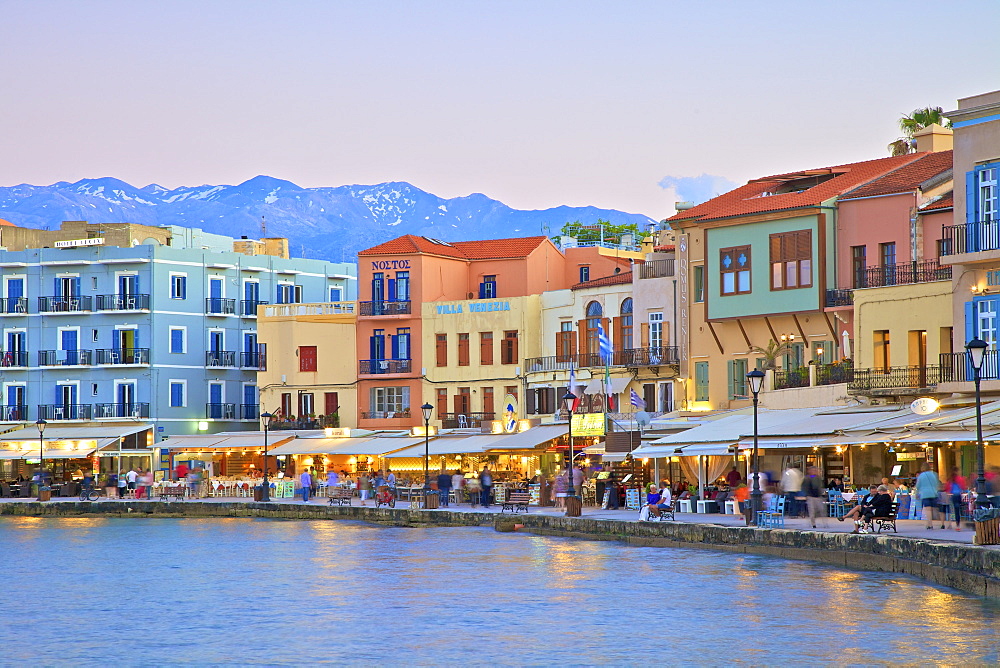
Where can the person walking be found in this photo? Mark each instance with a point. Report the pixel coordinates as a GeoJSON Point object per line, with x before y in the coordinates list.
{"type": "Point", "coordinates": [954, 486]}
{"type": "Point", "coordinates": [122, 484]}
{"type": "Point", "coordinates": [456, 484]}
{"type": "Point", "coordinates": [131, 477]}
{"type": "Point", "coordinates": [486, 482]}
{"type": "Point", "coordinates": [306, 481]}
{"type": "Point", "coordinates": [927, 487]}
{"type": "Point", "coordinates": [444, 487]}
{"type": "Point", "coordinates": [791, 486]}
{"type": "Point", "coordinates": [364, 487]}
{"type": "Point", "coordinates": [813, 489]}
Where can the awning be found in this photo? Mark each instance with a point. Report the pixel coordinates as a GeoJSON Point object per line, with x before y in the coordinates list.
{"type": "Point", "coordinates": [451, 446]}
{"type": "Point", "coordinates": [55, 453]}
{"type": "Point", "coordinates": [531, 438]}
{"type": "Point", "coordinates": [783, 442]}
{"type": "Point", "coordinates": [596, 385]}
{"type": "Point", "coordinates": [175, 442]}
{"type": "Point", "coordinates": [946, 436]}
{"type": "Point", "coordinates": [344, 446]}
{"type": "Point", "coordinates": [71, 433]}
{"type": "Point", "coordinates": [692, 449]}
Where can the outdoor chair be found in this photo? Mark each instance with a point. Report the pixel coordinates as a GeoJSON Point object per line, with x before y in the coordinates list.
{"type": "Point", "coordinates": [774, 515]}
{"type": "Point", "coordinates": [835, 504]}
{"type": "Point", "coordinates": [5, 490]}
{"type": "Point", "coordinates": [26, 490]}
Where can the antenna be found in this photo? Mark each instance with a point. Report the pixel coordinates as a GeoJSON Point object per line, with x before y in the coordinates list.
{"type": "Point", "coordinates": [263, 227]}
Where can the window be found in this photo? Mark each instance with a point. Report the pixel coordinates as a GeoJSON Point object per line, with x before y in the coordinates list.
{"type": "Point", "coordinates": [401, 344]}
{"type": "Point", "coordinates": [986, 194]}
{"type": "Point", "coordinates": [701, 381]}
{"type": "Point", "coordinates": [791, 260]}
{"type": "Point", "coordinates": [625, 326]}
{"type": "Point", "coordinates": [734, 268]}
{"type": "Point", "coordinates": [488, 408]}
{"type": "Point", "coordinates": [738, 379]}
{"type": "Point", "coordinates": [286, 404]}
{"type": "Point", "coordinates": [442, 349]}
{"type": "Point", "coordinates": [178, 286]}
{"type": "Point", "coordinates": [699, 284]}
{"type": "Point", "coordinates": [584, 273]}
{"type": "Point", "coordinates": [511, 390]}
{"type": "Point", "coordinates": [486, 348]}
{"type": "Point", "coordinates": [389, 400]}
{"type": "Point", "coordinates": [307, 404]}
{"type": "Point", "coordinates": [93, 389]}
{"type": "Point", "coordinates": [402, 286]}
{"type": "Point", "coordinates": [656, 330]}
{"type": "Point", "coordinates": [463, 350]}
{"type": "Point", "coordinates": [594, 313]}
{"type": "Point", "coordinates": [887, 254]}
{"type": "Point", "coordinates": [94, 335]}
{"type": "Point", "coordinates": [488, 288]}
{"type": "Point", "coordinates": [289, 294]}
{"type": "Point", "coordinates": [859, 265]}
{"type": "Point", "coordinates": [508, 350]}
{"type": "Point", "coordinates": [336, 294]}
{"type": "Point", "coordinates": [178, 340]}
{"type": "Point", "coordinates": [822, 352]}
{"type": "Point", "coordinates": [376, 345]}
{"type": "Point", "coordinates": [378, 287]}
{"type": "Point", "coordinates": [463, 401]}
{"type": "Point", "coordinates": [442, 400]}
{"type": "Point", "coordinates": [565, 342]}
{"type": "Point", "coordinates": [307, 358]}
{"type": "Point", "coordinates": [880, 339]}
{"type": "Point", "coordinates": [178, 392]}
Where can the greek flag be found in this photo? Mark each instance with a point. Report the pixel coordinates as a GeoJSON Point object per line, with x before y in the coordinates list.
{"type": "Point", "coordinates": [637, 400]}
{"type": "Point", "coordinates": [604, 344]}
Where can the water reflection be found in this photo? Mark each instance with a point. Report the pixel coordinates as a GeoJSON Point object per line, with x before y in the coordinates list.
{"type": "Point", "coordinates": [285, 592]}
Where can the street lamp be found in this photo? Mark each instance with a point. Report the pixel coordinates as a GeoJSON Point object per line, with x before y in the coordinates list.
{"type": "Point", "coordinates": [756, 381]}
{"type": "Point", "coordinates": [41, 456]}
{"type": "Point", "coordinates": [427, 409]}
{"type": "Point", "coordinates": [976, 349]}
{"type": "Point", "coordinates": [572, 507]}
{"type": "Point", "coordinates": [265, 490]}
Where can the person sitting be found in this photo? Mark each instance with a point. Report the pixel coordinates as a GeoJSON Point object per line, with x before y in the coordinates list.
{"type": "Point", "coordinates": [652, 495]}
{"type": "Point", "coordinates": [880, 506]}
{"type": "Point", "coordinates": [665, 502]}
{"type": "Point", "coordinates": [835, 485]}
{"type": "Point", "coordinates": [855, 513]}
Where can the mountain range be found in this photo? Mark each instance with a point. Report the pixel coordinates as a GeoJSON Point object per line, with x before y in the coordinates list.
{"type": "Point", "coordinates": [328, 223]}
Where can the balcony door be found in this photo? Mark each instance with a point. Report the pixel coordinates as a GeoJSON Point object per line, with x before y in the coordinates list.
{"type": "Point", "coordinates": [125, 397]}
{"type": "Point", "coordinates": [67, 286]}
{"type": "Point", "coordinates": [128, 285]}
{"type": "Point", "coordinates": [251, 291]}
{"type": "Point", "coordinates": [69, 343]}
{"type": "Point", "coordinates": [66, 398]}
{"type": "Point", "coordinates": [986, 329]}
{"type": "Point", "coordinates": [216, 341]}
{"type": "Point", "coordinates": [15, 399]}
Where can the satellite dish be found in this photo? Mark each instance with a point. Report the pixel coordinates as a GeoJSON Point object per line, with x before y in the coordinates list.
{"type": "Point", "coordinates": [643, 419]}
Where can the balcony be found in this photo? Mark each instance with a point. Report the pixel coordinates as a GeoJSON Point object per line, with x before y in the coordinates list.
{"type": "Point", "coordinates": [121, 411]}
{"type": "Point", "coordinates": [832, 374]}
{"type": "Point", "coordinates": [369, 367]}
{"type": "Point", "coordinates": [122, 356]}
{"type": "Point", "coordinates": [14, 305]}
{"type": "Point", "coordinates": [630, 357]}
{"type": "Point", "coordinates": [249, 411]}
{"type": "Point", "coordinates": [65, 412]}
{"type": "Point", "coordinates": [656, 269]}
{"type": "Point", "coordinates": [253, 360]}
{"type": "Point", "coordinates": [64, 304]}
{"type": "Point", "coordinates": [905, 274]}
{"type": "Point", "coordinates": [65, 358]}
{"type": "Point", "coordinates": [956, 367]}
{"type": "Point", "coordinates": [122, 302]}
{"type": "Point", "coordinates": [220, 411]}
{"type": "Point", "coordinates": [385, 415]}
{"type": "Point", "coordinates": [385, 308]}
{"type": "Point", "coordinates": [786, 379]}
{"type": "Point", "coordinates": [839, 298]}
{"type": "Point", "coordinates": [983, 235]}
{"type": "Point", "coordinates": [14, 414]}
{"type": "Point", "coordinates": [220, 306]}
{"type": "Point", "coordinates": [14, 359]}
{"type": "Point", "coordinates": [893, 380]}
{"type": "Point", "coordinates": [248, 307]}
{"type": "Point", "coordinates": [220, 358]}
{"type": "Point", "coordinates": [463, 420]}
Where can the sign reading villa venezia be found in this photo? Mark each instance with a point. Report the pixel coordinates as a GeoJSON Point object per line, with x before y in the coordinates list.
{"type": "Point", "coordinates": [475, 307]}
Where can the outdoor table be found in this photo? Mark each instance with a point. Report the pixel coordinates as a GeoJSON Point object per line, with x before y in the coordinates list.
{"type": "Point", "coordinates": [849, 496]}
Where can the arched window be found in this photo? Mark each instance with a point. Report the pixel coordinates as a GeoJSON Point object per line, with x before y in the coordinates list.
{"type": "Point", "coordinates": [623, 337]}
{"type": "Point", "coordinates": [594, 313]}
{"type": "Point", "coordinates": [627, 306]}
{"type": "Point", "coordinates": [594, 310]}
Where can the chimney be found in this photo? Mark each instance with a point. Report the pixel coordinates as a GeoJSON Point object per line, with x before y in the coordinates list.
{"type": "Point", "coordinates": [934, 138]}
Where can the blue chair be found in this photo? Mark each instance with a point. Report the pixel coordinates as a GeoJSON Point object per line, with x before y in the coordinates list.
{"type": "Point", "coordinates": [767, 518]}
{"type": "Point", "coordinates": [835, 503]}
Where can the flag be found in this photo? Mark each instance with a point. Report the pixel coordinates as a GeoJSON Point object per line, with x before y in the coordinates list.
{"type": "Point", "coordinates": [604, 344]}
{"type": "Point", "coordinates": [572, 388]}
{"type": "Point", "coordinates": [637, 400]}
{"type": "Point", "coordinates": [607, 388]}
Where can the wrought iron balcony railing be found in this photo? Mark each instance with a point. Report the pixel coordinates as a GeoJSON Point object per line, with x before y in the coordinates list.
{"type": "Point", "coordinates": [13, 358]}
{"type": "Point", "coordinates": [124, 410]}
{"type": "Point", "coordinates": [248, 307]}
{"type": "Point", "coordinates": [905, 274]}
{"type": "Point", "coordinates": [64, 304]}
{"type": "Point", "coordinates": [383, 366]}
{"type": "Point", "coordinates": [253, 360]}
{"type": "Point", "coordinates": [894, 378]}
{"type": "Point", "coordinates": [220, 358]}
{"type": "Point", "coordinates": [13, 305]}
{"type": "Point", "coordinates": [656, 269]}
{"type": "Point", "coordinates": [249, 411]}
{"type": "Point", "coordinates": [220, 306]}
{"type": "Point", "coordinates": [462, 420]}
{"type": "Point", "coordinates": [122, 302]}
{"type": "Point", "coordinates": [788, 378]}
{"type": "Point", "coordinates": [957, 368]}
{"type": "Point", "coordinates": [122, 355]}
{"type": "Point", "coordinates": [65, 357]}
{"type": "Point", "coordinates": [982, 235]}
{"type": "Point", "coordinates": [385, 415]}
{"type": "Point", "coordinates": [384, 308]}
{"type": "Point", "coordinates": [65, 412]}
{"type": "Point", "coordinates": [14, 413]}
{"type": "Point", "coordinates": [220, 411]}
{"type": "Point", "coordinates": [839, 298]}
{"type": "Point", "coordinates": [630, 357]}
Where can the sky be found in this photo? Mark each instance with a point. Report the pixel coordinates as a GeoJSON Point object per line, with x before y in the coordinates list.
{"type": "Point", "coordinates": [626, 105]}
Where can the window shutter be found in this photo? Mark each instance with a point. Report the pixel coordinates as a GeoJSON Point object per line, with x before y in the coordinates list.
{"type": "Point", "coordinates": [392, 289]}
{"type": "Point", "coordinates": [331, 403]}
{"type": "Point", "coordinates": [971, 215]}
{"type": "Point", "coordinates": [394, 342]}
{"type": "Point", "coordinates": [644, 334]}
{"type": "Point", "coordinates": [619, 337]}
{"type": "Point", "coordinates": [775, 248]}
{"type": "Point", "coordinates": [550, 399]}
{"type": "Point", "coordinates": [529, 398]}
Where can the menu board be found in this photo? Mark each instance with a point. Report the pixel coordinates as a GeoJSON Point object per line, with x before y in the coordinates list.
{"type": "Point", "coordinates": [632, 501]}
{"type": "Point", "coordinates": [536, 495]}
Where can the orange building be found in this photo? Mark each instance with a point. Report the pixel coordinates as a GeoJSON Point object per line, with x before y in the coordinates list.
{"type": "Point", "coordinates": [462, 279]}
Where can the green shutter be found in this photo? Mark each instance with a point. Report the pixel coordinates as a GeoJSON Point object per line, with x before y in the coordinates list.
{"type": "Point", "coordinates": [701, 381]}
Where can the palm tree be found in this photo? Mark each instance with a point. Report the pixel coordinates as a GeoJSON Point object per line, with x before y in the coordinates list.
{"type": "Point", "coordinates": [914, 123]}
{"type": "Point", "coordinates": [771, 353]}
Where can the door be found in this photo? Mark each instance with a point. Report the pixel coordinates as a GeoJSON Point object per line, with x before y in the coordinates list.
{"type": "Point", "coordinates": [15, 353]}
{"type": "Point", "coordinates": [215, 286]}
{"type": "Point", "coordinates": [251, 295]}
{"type": "Point", "coordinates": [15, 403]}
{"type": "Point", "coordinates": [251, 356]}
{"type": "Point", "coordinates": [69, 343]}
{"type": "Point", "coordinates": [215, 395]}
{"type": "Point", "coordinates": [66, 399]}
{"type": "Point", "coordinates": [216, 345]}
{"type": "Point", "coordinates": [126, 400]}
{"type": "Point", "coordinates": [125, 347]}
{"type": "Point", "coordinates": [249, 402]}
{"type": "Point", "coordinates": [15, 292]}
{"type": "Point", "coordinates": [331, 403]}
{"type": "Point", "coordinates": [128, 285]}
{"type": "Point", "coordinates": [986, 326]}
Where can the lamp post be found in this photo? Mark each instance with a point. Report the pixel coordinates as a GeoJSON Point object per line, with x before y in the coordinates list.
{"type": "Point", "coordinates": [41, 456]}
{"type": "Point", "coordinates": [265, 490]}
{"type": "Point", "coordinates": [756, 381]}
{"type": "Point", "coordinates": [572, 502]}
{"type": "Point", "coordinates": [976, 350]}
{"type": "Point", "coordinates": [427, 409]}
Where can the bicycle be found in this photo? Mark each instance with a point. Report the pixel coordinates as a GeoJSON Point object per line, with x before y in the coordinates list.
{"type": "Point", "coordinates": [89, 494]}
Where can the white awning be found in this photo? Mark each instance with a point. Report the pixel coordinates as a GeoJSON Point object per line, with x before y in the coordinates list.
{"type": "Point", "coordinates": [55, 453]}
{"type": "Point", "coordinates": [451, 446]}
{"type": "Point", "coordinates": [596, 385]}
{"type": "Point", "coordinates": [783, 442]}
{"type": "Point", "coordinates": [175, 442]}
{"type": "Point", "coordinates": [947, 436]}
{"type": "Point", "coordinates": [692, 449]}
{"type": "Point", "coordinates": [345, 446]}
{"type": "Point", "coordinates": [71, 433]}
{"type": "Point", "coordinates": [531, 438]}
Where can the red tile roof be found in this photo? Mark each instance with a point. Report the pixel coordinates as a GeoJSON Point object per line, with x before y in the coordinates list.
{"type": "Point", "coordinates": [946, 201]}
{"type": "Point", "coordinates": [466, 250]}
{"type": "Point", "coordinates": [907, 178]}
{"type": "Point", "coordinates": [757, 195]}
{"type": "Point", "coordinates": [7, 222]}
{"type": "Point", "coordinates": [622, 278]}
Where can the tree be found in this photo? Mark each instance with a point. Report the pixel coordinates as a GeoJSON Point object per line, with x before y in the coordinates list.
{"type": "Point", "coordinates": [914, 123]}
{"type": "Point", "coordinates": [593, 233]}
{"type": "Point", "coordinates": [771, 353]}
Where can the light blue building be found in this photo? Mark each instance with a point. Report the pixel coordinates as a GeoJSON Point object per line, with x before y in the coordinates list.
{"type": "Point", "coordinates": [165, 334]}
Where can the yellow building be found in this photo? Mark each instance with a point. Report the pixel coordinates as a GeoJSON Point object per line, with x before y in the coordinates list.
{"type": "Point", "coordinates": [311, 370]}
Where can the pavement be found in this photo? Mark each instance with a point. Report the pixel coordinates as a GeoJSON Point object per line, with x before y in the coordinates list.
{"type": "Point", "coordinates": [906, 528]}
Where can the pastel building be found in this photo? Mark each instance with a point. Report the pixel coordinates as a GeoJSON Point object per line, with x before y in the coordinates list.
{"type": "Point", "coordinates": [155, 330]}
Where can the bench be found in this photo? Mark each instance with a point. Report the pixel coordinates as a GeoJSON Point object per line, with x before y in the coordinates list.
{"type": "Point", "coordinates": [175, 492]}
{"type": "Point", "coordinates": [516, 500]}
{"type": "Point", "coordinates": [340, 495]}
{"type": "Point", "coordinates": [889, 522]}
{"type": "Point", "coordinates": [657, 514]}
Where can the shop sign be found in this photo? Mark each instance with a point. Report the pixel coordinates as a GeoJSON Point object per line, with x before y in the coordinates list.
{"type": "Point", "coordinates": [910, 456]}
{"type": "Point", "coordinates": [510, 413]}
{"type": "Point", "coordinates": [924, 406]}
{"type": "Point", "coordinates": [473, 307]}
{"type": "Point", "coordinates": [588, 424]}
{"type": "Point", "coordinates": [76, 243]}
{"type": "Point", "coordinates": [382, 265]}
